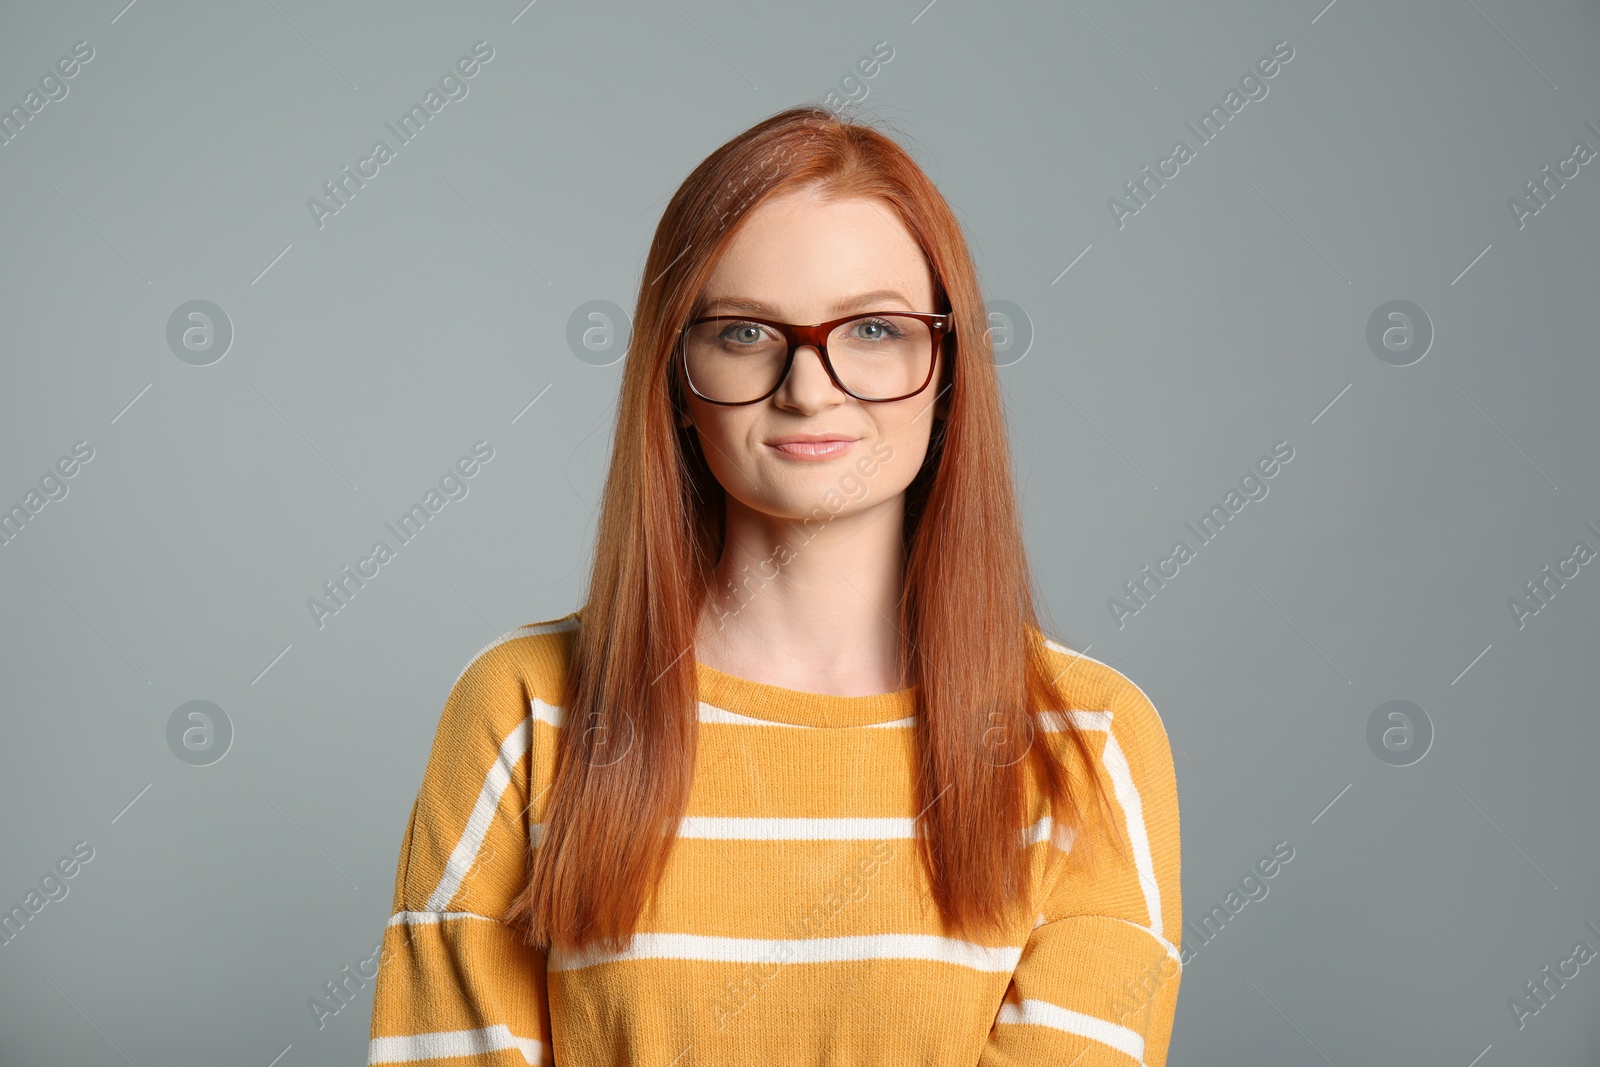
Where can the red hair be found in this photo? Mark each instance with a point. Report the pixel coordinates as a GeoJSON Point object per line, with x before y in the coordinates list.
{"type": "Point", "coordinates": [972, 635]}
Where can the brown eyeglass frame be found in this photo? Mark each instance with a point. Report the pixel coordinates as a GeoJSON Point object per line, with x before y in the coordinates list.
{"type": "Point", "coordinates": [816, 335]}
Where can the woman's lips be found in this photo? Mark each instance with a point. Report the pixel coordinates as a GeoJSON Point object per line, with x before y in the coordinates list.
{"type": "Point", "coordinates": [812, 449]}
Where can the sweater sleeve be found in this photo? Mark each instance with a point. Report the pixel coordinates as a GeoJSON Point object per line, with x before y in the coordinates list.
{"type": "Point", "coordinates": [1097, 982]}
{"type": "Point", "coordinates": [454, 982]}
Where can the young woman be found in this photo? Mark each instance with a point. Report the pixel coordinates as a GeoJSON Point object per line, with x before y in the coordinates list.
{"type": "Point", "coordinates": [803, 781]}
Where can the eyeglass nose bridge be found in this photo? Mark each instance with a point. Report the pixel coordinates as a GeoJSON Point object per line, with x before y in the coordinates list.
{"type": "Point", "coordinates": [815, 337]}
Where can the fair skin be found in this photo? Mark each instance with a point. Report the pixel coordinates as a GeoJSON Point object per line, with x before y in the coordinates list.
{"type": "Point", "coordinates": [819, 606]}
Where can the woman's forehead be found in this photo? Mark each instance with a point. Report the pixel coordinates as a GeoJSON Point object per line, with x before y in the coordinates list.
{"type": "Point", "coordinates": [808, 256]}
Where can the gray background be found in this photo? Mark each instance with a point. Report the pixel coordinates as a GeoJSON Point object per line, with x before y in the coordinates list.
{"type": "Point", "coordinates": [368, 355]}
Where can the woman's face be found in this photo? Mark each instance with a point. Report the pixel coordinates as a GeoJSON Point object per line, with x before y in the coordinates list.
{"type": "Point", "coordinates": [805, 260]}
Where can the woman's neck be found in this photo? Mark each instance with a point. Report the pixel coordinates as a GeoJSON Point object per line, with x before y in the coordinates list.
{"type": "Point", "coordinates": [811, 604]}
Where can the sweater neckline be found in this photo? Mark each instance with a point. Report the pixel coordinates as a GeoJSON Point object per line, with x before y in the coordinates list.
{"type": "Point", "coordinates": [795, 707]}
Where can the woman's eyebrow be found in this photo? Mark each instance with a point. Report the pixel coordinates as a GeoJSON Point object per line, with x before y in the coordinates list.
{"type": "Point", "coordinates": [860, 300]}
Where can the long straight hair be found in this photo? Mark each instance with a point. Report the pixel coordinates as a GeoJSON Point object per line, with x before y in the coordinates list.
{"type": "Point", "coordinates": [973, 648]}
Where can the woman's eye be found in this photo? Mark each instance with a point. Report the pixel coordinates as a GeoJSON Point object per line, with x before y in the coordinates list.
{"type": "Point", "coordinates": [878, 330]}
{"type": "Point", "coordinates": [745, 333]}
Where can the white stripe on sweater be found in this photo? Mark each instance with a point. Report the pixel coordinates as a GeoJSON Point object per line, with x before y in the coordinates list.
{"type": "Point", "coordinates": [447, 1044]}
{"type": "Point", "coordinates": [422, 918]}
{"type": "Point", "coordinates": [465, 853]}
{"type": "Point", "coordinates": [710, 713]}
{"type": "Point", "coordinates": [722, 716]}
{"type": "Point", "coordinates": [1127, 795]}
{"type": "Point", "coordinates": [675, 946]}
{"type": "Point", "coordinates": [1044, 1013]}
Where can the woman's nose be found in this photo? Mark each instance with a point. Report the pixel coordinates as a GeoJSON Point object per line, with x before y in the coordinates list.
{"type": "Point", "coordinates": [808, 379]}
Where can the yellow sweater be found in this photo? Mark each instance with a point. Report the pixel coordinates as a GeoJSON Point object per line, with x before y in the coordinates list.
{"type": "Point", "coordinates": [793, 925]}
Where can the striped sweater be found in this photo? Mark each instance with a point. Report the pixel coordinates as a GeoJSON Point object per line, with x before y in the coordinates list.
{"type": "Point", "coordinates": [792, 924]}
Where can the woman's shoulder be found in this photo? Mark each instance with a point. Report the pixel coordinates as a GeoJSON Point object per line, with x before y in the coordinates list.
{"type": "Point", "coordinates": [1091, 686]}
{"type": "Point", "coordinates": [485, 774]}
{"type": "Point", "coordinates": [530, 661]}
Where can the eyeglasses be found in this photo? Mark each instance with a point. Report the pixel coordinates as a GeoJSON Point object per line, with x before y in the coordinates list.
{"type": "Point", "coordinates": [877, 356]}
